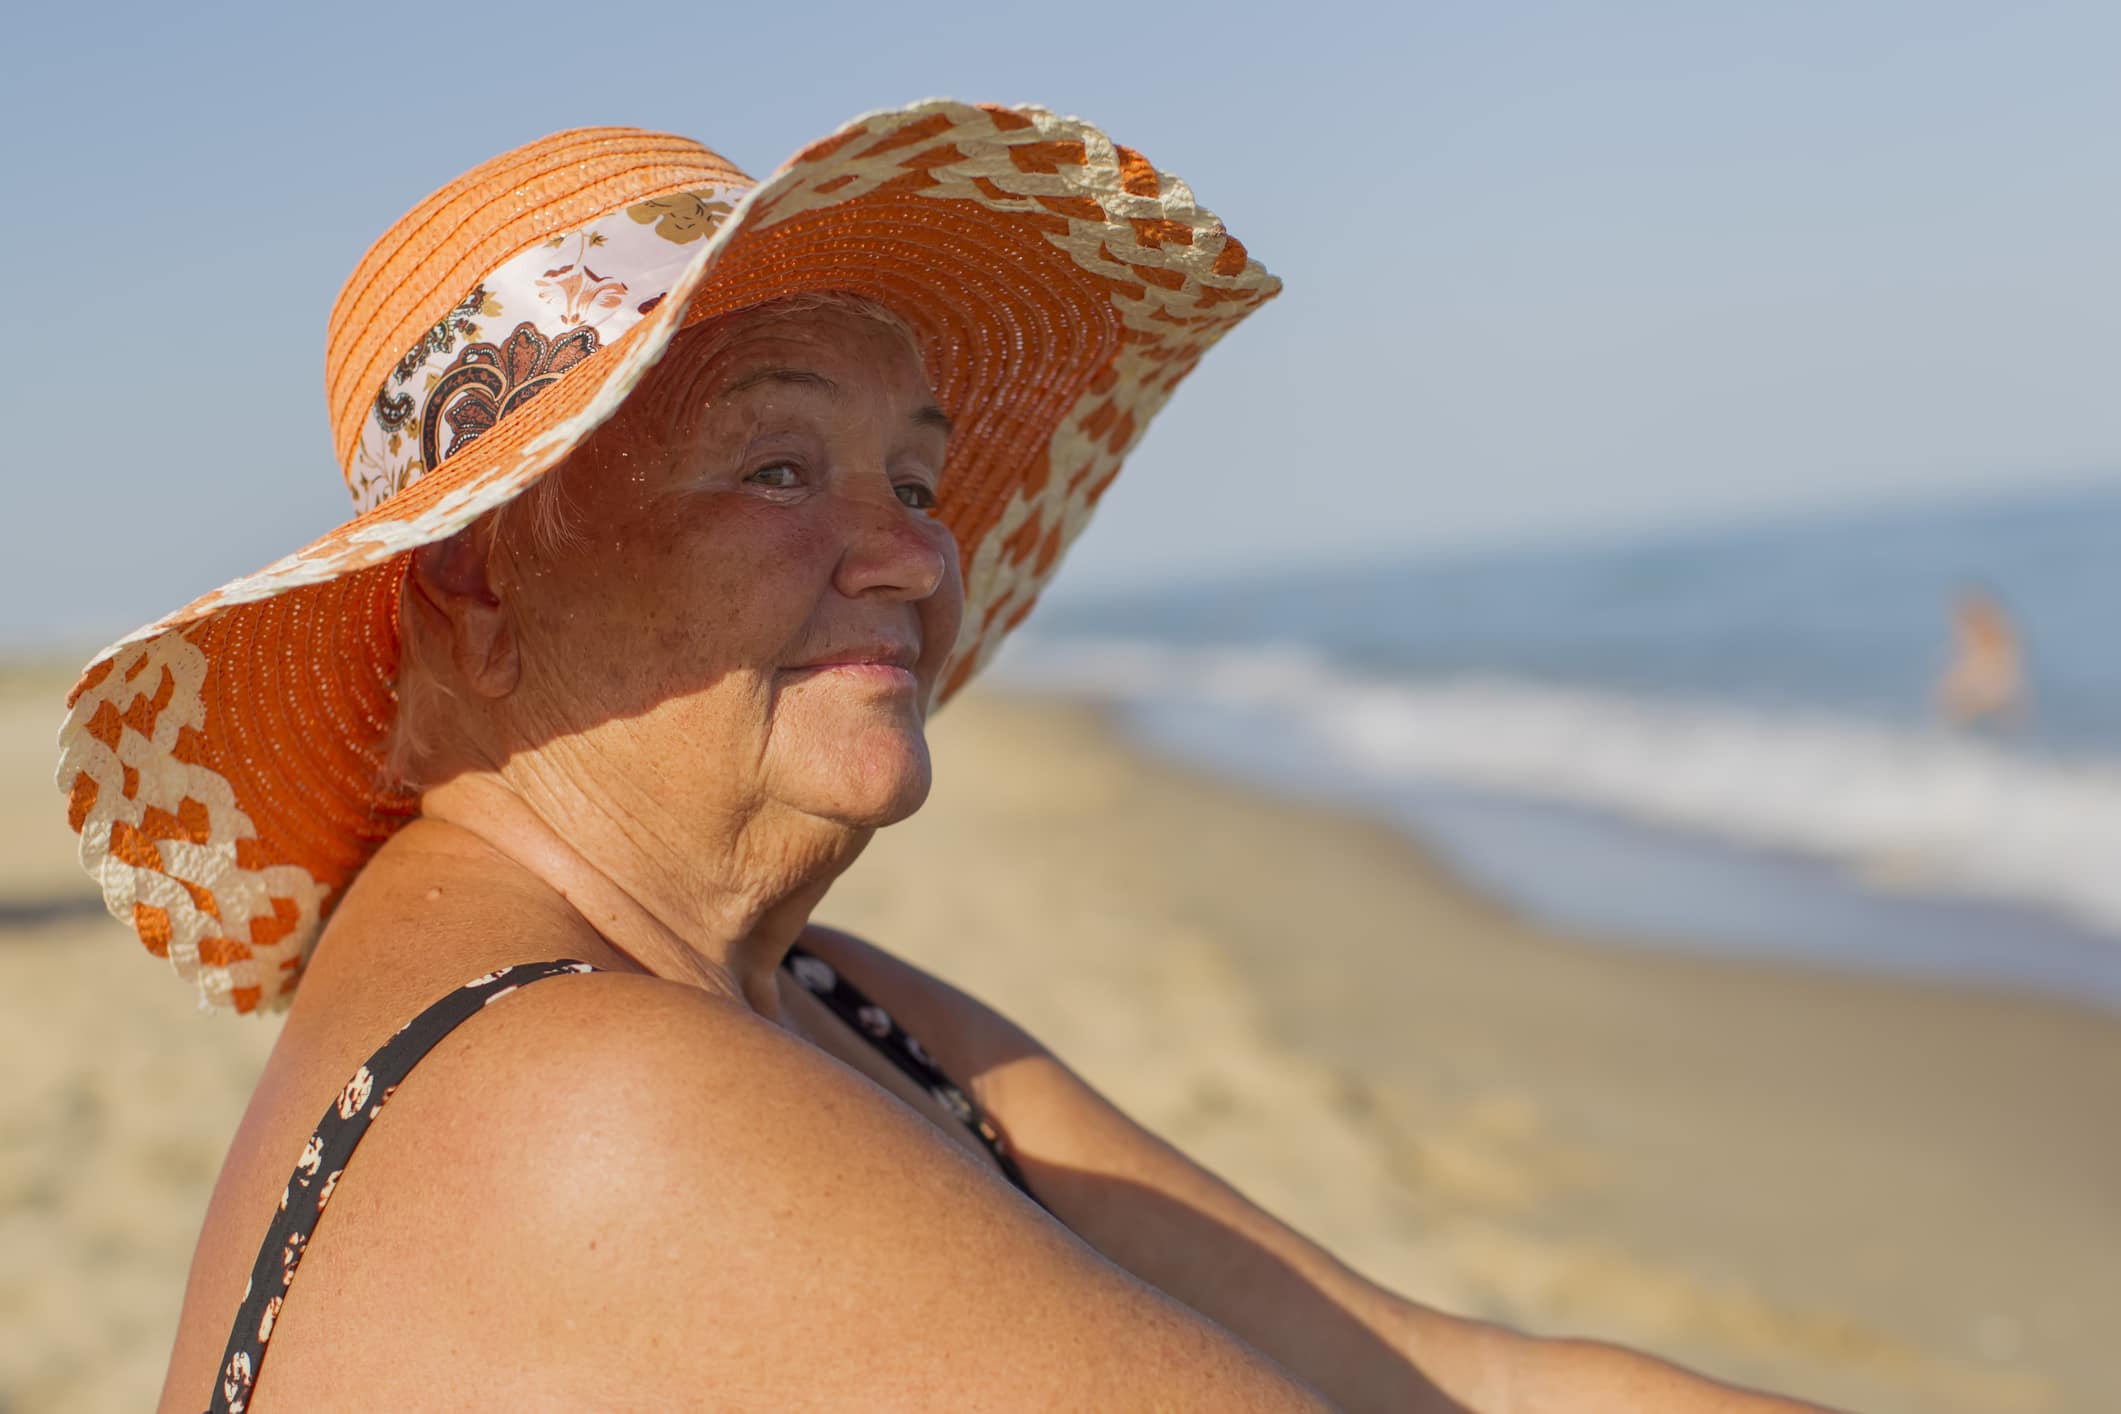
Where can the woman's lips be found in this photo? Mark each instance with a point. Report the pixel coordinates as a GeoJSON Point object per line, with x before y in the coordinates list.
{"type": "Point", "coordinates": [878, 671]}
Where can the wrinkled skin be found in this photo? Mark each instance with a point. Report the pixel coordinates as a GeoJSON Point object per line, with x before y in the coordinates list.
{"type": "Point", "coordinates": [647, 687]}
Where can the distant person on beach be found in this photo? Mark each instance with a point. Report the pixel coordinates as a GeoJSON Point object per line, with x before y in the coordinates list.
{"type": "Point", "coordinates": [1985, 683]}
{"type": "Point", "coordinates": [679, 504]}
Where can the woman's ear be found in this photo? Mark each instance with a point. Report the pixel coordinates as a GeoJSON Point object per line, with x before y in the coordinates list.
{"type": "Point", "coordinates": [452, 586]}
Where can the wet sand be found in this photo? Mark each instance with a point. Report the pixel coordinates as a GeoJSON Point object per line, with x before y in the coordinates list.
{"type": "Point", "coordinates": [1874, 1194]}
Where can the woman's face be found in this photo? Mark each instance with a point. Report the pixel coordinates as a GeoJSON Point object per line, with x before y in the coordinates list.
{"type": "Point", "coordinates": [757, 606]}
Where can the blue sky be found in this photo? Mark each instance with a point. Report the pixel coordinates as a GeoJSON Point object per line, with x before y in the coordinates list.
{"type": "Point", "coordinates": [1552, 269]}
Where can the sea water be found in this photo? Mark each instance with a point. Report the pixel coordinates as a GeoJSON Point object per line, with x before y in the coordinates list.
{"type": "Point", "coordinates": [1724, 739]}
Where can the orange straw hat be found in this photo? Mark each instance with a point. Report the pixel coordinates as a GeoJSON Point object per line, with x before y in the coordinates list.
{"type": "Point", "coordinates": [223, 764]}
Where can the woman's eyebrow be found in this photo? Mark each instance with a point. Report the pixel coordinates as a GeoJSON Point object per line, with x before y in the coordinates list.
{"type": "Point", "coordinates": [929, 416]}
{"type": "Point", "coordinates": [802, 377]}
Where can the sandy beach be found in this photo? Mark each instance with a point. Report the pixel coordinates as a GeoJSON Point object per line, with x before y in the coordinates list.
{"type": "Point", "coordinates": [1875, 1194]}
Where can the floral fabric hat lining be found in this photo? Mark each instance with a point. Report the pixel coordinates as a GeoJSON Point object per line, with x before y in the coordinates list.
{"type": "Point", "coordinates": [522, 327]}
{"type": "Point", "coordinates": [222, 764]}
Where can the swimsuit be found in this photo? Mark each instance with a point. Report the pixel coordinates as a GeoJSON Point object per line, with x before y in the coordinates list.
{"type": "Point", "coordinates": [324, 1157]}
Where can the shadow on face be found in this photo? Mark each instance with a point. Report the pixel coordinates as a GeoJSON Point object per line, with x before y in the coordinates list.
{"type": "Point", "coordinates": [733, 597]}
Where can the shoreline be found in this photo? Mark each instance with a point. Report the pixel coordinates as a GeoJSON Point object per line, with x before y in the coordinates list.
{"type": "Point", "coordinates": [1876, 1193]}
{"type": "Point", "coordinates": [1586, 869]}
{"type": "Point", "coordinates": [1764, 820]}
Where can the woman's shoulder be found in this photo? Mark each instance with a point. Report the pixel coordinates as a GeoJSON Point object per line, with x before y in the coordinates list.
{"type": "Point", "coordinates": [535, 1047]}
{"type": "Point", "coordinates": [513, 1168]}
{"type": "Point", "coordinates": [610, 1178]}
{"type": "Point", "coordinates": [637, 1082]}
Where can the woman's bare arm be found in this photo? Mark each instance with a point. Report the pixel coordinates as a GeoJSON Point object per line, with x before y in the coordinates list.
{"type": "Point", "coordinates": [1150, 1209]}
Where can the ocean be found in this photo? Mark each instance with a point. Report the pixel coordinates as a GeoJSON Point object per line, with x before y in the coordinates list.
{"type": "Point", "coordinates": [1722, 739]}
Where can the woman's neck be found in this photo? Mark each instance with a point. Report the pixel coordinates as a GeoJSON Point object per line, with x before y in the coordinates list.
{"type": "Point", "coordinates": [721, 915]}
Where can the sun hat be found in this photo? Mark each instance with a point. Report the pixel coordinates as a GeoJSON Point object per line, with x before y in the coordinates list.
{"type": "Point", "coordinates": [222, 765]}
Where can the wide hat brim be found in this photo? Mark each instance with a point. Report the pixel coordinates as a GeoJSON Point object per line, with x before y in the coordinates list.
{"type": "Point", "coordinates": [223, 764]}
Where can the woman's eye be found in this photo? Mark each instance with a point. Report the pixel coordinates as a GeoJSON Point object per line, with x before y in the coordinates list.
{"type": "Point", "coordinates": [780, 476]}
{"type": "Point", "coordinates": [913, 494]}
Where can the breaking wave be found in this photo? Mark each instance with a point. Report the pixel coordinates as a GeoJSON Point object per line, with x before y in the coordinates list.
{"type": "Point", "coordinates": [1900, 806]}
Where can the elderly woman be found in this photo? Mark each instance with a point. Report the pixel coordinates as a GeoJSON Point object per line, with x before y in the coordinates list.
{"type": "Point", "coordinates": [680, 503]}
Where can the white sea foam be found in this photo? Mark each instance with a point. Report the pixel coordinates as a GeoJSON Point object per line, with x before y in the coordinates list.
{"type": "Point", "coordinates": [1900, 806]}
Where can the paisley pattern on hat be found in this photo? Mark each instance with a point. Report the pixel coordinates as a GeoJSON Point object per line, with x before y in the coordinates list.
{"type": "Point", "coordinates": [570, 296]}
{"type": "Point", "coordinates": [393, 410]}
{"type": "Point", "coordinates": [486, 382]}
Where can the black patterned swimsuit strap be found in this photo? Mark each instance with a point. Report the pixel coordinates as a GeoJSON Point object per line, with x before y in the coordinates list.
{"type": "Point", "coordinates": [324, 1159]}
{"type": "Point", "coordinates": [873, 1024]}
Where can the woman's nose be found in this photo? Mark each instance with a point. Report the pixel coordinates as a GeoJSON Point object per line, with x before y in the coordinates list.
{"type": "Point", "coordinates": [891, 551]}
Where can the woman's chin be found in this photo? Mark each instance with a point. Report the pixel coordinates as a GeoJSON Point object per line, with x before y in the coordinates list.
{"type": "Point", "coordinates": [867, 779]}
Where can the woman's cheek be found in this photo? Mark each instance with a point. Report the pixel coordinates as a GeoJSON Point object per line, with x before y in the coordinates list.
{"type": "Point", "coordinates": [748, 581]}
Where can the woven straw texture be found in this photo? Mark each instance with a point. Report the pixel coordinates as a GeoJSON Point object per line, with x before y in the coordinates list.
{"type": "Point", "coordinates": [221, 765]}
